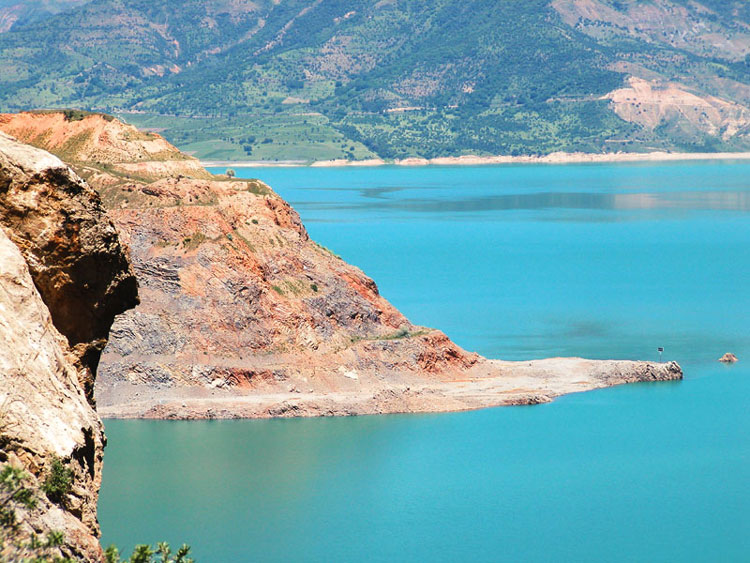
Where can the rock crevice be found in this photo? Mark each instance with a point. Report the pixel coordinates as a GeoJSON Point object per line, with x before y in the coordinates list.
{"type": "Point", "coordinates": [64, 275]}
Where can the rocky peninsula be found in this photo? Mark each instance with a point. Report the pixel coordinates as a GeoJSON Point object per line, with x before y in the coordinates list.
{"type": "Point", "coordinates": [242, 315]}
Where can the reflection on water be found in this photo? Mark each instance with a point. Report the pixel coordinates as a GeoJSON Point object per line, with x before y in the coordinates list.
{"type": "Point", "coordinates": [344, 195]}
{"type": "Point", "coordinates": [376, 199]}
{"type": "Point", "coordinates": [710, 200]}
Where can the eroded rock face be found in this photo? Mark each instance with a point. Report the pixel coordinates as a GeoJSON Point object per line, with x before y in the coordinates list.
{"type": "Point", "coordinates": [652, 104]}
{"type": "Point", "coordinates": [63, 277]}
{"type": "Point", "coordinates": [235, 295]}
{"type": "Point", "coordinates": [72, 249]}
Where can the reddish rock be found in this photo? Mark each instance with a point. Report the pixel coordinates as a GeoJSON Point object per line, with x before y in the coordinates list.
{"type": "Point", "coordinates": [240, 310]}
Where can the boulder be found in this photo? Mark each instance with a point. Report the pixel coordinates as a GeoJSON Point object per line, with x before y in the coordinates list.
{"type": "Point", "coordinates": [728, 358]}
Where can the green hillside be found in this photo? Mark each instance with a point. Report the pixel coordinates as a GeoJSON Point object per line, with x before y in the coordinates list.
{"type": "Point", "coordinates": [310, 80]}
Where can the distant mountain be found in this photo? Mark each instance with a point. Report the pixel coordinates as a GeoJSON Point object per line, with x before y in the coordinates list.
{"type": "Point", "coordinates": [315, 79]}
{"type": "Point", "coordinates": [24, 12]}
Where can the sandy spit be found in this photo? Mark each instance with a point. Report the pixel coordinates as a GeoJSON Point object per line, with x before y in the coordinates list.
{"type": "Point", "coordinates": [490, 383]}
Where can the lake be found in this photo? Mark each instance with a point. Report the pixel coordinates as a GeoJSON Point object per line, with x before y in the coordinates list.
{"type": "Point", "coordinates": [514, 262]}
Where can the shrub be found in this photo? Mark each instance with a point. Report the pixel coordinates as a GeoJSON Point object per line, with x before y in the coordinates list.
{"type": "Point", "coordinates": [13, 494]}
{"type": "Point", "coordinates": [15, 546]}
{"type": "Point", "coordinates": [58, 482]}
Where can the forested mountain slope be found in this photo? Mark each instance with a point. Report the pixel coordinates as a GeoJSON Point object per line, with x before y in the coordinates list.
{"type": "Point", "coordinates": [314, 79]}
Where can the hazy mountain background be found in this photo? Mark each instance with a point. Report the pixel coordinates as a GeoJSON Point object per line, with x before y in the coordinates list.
{"type": "Point", "coordinates": [316, 79]}
{"type": "Point", "coordinates": [20, 13]}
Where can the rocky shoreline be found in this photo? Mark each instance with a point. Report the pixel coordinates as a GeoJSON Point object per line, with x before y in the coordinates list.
{"type": "Point", "coordinates": [472, 160]}
{"type": "Point", "coordinates": [491, 383]}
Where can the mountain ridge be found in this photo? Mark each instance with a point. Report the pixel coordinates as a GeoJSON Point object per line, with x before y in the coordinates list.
{"type": "Point", "coordinates": [307, 80]}
{"type": "Point", "coordinates": [24, 12]}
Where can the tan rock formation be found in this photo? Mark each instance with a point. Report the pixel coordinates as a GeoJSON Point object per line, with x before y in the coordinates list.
{"type": "Point", "coordinates": [80, 137]}
{"type": "Point", "coordinates": [242, 314]}
{"type": "Point", "coordinates": [728, 358]}
{"type": "Point", "coordinates": [692, 26]}
{"type": "Point", "coordinates": [652, 104]}
{"type": "Point", "coordinates": [63, 278]}
{"type": "Point", "coordinates": [72, 249]}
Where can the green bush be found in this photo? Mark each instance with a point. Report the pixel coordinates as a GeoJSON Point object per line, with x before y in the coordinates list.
{"type": "Point", "coordinates": [58, 482]}
{"type": "Point", "coordinates": [15, 495]}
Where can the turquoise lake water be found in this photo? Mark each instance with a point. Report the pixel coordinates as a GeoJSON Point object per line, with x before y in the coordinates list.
{"type": "Point", "coordinates": [514, 262]}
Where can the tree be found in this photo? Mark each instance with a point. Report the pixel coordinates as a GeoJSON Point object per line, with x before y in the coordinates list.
{"type": "Point", "coordinates": [13, 495]}
{"type": "Point", "coordinates": [16, 494]}
{"type": "Point", "coordinates": [145, 554]}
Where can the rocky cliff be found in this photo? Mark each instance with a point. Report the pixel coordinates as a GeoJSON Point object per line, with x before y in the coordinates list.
{"type": "Point", "coordinates": [63, 277]}
{"type": "Point", "coordinates": [242, 314]}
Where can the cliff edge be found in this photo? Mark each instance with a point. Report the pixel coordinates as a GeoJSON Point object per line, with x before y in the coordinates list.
{"type": "Point", "coordinates": [242, 314]}
{"type": "Point", "coordinates": [64, 275]}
